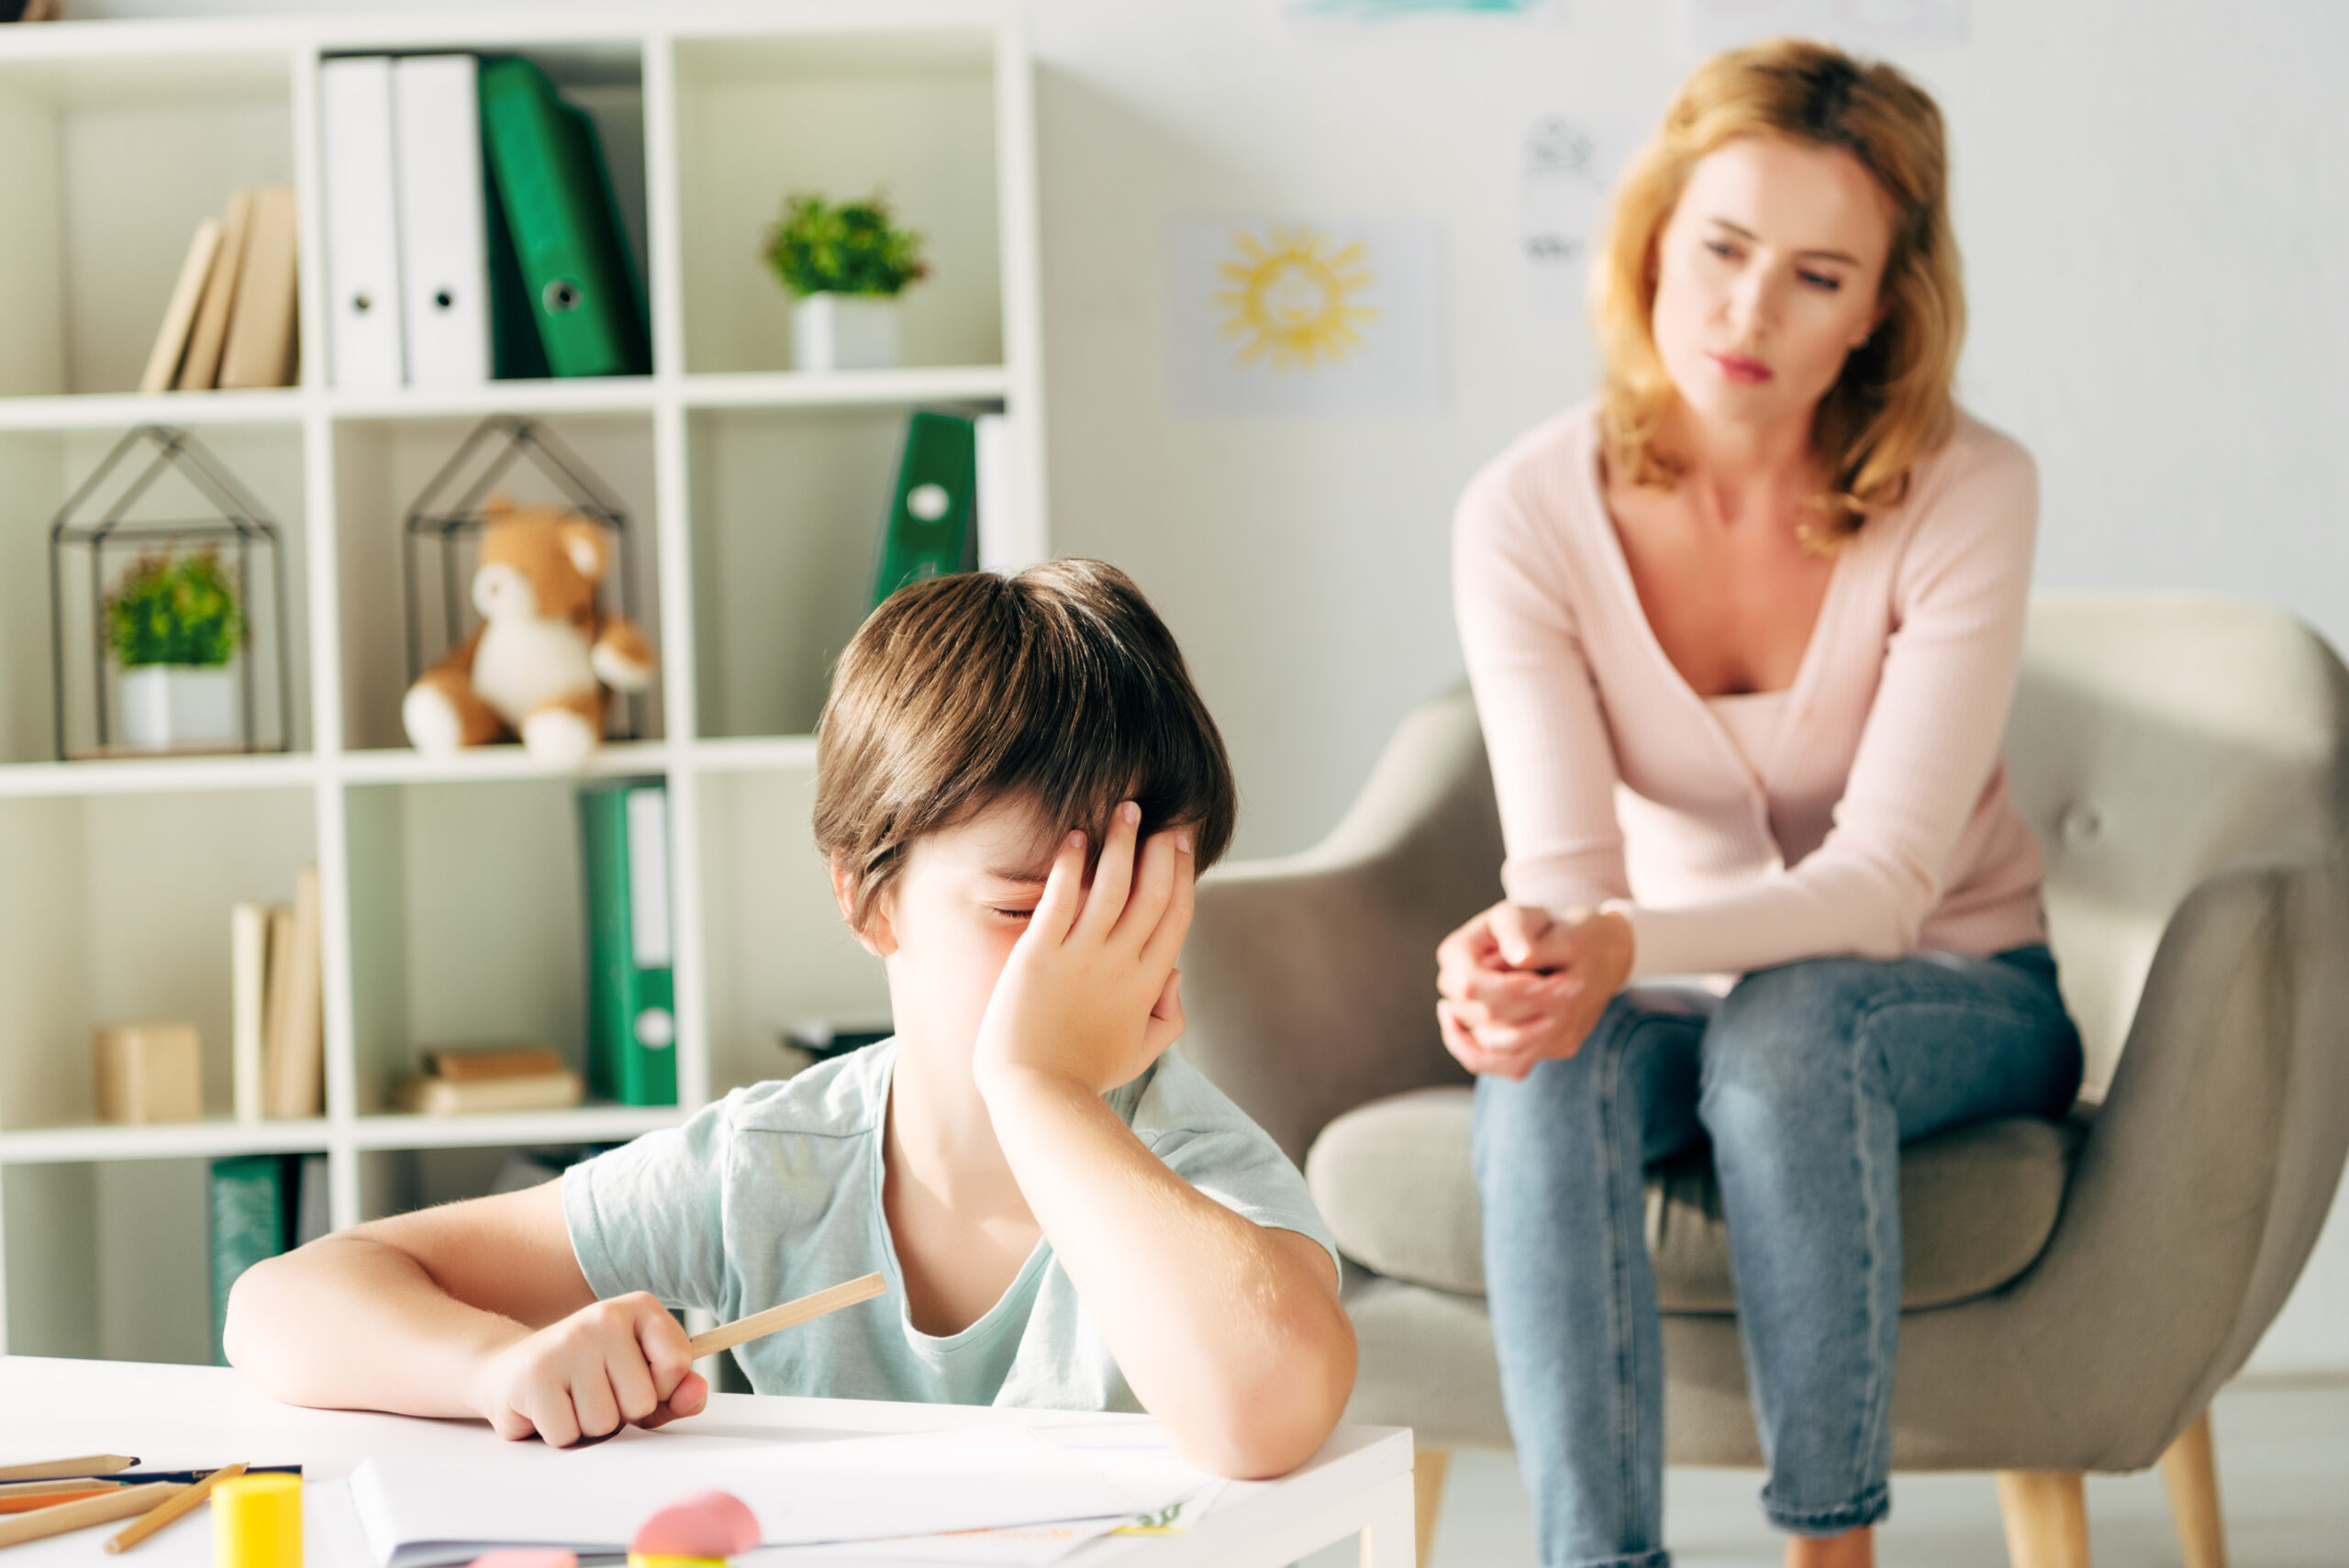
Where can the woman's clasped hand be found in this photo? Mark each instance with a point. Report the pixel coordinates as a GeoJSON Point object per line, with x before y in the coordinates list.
{"type": "Point", "coordinates": [1520, 985]}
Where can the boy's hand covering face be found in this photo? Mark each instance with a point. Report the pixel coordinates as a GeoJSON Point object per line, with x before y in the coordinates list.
{"type": "Point", "coordinates": [1090, 993]}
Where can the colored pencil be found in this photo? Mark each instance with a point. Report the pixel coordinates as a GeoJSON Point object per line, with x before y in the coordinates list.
{"type": "Point", "coordinates": [169, 1508]}
{"type": "Point", "coordinates": [45, 1522]}
{"type": "Point", "coordinates": [759, 1324]}
{"type": "Point", "coordinates": [24, 1496]}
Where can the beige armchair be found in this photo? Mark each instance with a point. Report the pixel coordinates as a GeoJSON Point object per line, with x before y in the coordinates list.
{"type": "Point", "coordinates": [2072, 1295]}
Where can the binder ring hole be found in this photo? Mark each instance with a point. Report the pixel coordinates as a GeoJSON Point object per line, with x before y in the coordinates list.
{"type": "Point", "coordinates": [927, 501]}
{"type": "Point", "coordinates": [444, 299]}
{"type": "Point", "coordinates": [562, 296]}
{"type": "Point", "coordinates": [362, 303]}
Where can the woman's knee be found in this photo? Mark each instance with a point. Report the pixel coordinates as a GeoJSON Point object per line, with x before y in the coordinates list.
{"type": "Point", "coordinates": [1786, 1036]}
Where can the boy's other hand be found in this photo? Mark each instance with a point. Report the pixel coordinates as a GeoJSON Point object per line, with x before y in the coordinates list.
{"type": "Point", "coordinates": [1090, 994]}
{"type": "Point", "coordinates": [624, 1361]}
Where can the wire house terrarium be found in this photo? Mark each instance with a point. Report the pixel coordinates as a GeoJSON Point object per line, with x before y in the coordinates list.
{"type": "Point", "coordinates": [167, 609]}
{"type": "Point", "coordinates": [443, 542]}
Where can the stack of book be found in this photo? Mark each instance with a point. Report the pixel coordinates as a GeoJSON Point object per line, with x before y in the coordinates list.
{"type": "Point", "coordinates": [277, 1020]}
{"type": "Point", "coordinates": [471, 231]}
{"type": "Point", "coordinates": [490, 1078]}
{"type": "Point", "coordinates": [230, 322]}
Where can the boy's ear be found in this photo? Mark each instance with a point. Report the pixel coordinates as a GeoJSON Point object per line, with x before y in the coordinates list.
{"type": "Point", "coordinates": [875, 937]}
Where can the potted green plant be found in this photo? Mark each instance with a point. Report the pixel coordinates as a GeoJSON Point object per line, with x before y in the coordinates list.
{"type": "Point", "coordinates": [173, 625]}
{"type": "Point", "coordinates": [845, 262]}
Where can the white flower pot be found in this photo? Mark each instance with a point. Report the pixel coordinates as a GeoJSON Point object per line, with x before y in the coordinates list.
{"type": "Point", "coordinates": [844, 332]}
{"type": "Point", "coordinates": [167, 708]}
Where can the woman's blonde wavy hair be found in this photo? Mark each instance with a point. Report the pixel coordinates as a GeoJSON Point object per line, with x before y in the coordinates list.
{"type": "Point", "coordinates": [1892, 404]}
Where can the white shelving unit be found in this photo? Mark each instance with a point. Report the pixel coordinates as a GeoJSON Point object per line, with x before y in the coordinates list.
{"type": "Point", "coordinates": [452, 888]}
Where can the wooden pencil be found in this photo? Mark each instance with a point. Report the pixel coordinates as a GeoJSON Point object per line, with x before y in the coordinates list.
{"type": "Point", "coordinates": [24, 1496]}
{"type": "Point", "coordinates": [75, 1469]}
{"type": "Point", "coordinates": [759, 1324]}
{"type": "Point", "coordinates": [43, 1523]}
{"type": "Point", "coordinates": [169, 1508]}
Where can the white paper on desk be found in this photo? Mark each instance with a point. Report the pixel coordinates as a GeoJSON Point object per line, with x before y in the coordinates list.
{"type": "Point", "coordinates": [419, 1513]}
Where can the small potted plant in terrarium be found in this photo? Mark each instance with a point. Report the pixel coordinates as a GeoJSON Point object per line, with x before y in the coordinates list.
{"type": "Point", "coordinates": [845, 262]}
{"type": "Point", "coordinates": [174, 625]}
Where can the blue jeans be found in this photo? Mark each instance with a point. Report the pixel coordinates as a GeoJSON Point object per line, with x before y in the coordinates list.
{"type": "Point", "coordinates": [1806, 1080]}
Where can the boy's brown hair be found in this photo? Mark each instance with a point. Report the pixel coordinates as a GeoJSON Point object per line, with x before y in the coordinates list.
{"type": "Point", "coordinates": [1060, 685]}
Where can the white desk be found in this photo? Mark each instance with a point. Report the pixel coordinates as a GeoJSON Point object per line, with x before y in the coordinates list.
{"type": "Point", "coordinates": [193, 1418]}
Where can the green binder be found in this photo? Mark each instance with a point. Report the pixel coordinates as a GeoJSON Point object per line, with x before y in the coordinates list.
{"type": "Point", "coordinates": [631, 998]}
{"type": "Point", "coordinates": [929, 533]}
{"type": "Point", "coordinates": [252, 1204]}
{"type": "Point", "coordinates": [515, 351]}
{"type": "Point", "coordinates": [549, 170]}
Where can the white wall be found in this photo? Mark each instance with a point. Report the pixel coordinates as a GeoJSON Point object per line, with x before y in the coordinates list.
{"type": "Point", "coordinates": [2150, 199]}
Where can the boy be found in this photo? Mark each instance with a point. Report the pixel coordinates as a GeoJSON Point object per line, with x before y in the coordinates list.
{"type": "Point", "coordinates": [1066, 1216]}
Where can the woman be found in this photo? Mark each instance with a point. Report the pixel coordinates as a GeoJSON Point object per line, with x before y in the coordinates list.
{"type": "Point", "coordinates": [1743, 633]}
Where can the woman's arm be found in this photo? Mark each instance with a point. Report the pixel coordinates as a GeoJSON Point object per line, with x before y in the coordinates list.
{"type": "Point", "coordinates": [475, 1308]}
{"type": "Point", "coordinates": [1229, 1332]}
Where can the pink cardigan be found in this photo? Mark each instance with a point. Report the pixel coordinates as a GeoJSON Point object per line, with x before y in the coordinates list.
{"type": "Point", "coordinates": [1877, 821]}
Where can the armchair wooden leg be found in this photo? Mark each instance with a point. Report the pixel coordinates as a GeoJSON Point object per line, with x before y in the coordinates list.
{"type": "Point", "coordinates": [1428, 1469]}
{"type": "Point", "coordinates": [2191, 1472]}
{"type": "Point", "coordinates": [2048, 1519]}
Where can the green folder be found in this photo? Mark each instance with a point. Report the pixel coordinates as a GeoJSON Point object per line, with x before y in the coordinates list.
{"type": "Point", "coordinates": [252, 1204]}
{"type": "Point", "coordinates": [549, 170]}
{"type": "Point", "coordinates": [631, 995]}
{"type": "Point", "coordinates": [929, 533]}
{"type": "Point", "coordinates": [515, 352]}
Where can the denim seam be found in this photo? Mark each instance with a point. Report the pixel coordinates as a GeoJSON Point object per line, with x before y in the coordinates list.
{"type": "Point", "coordinates": [1871, 1506]}
{"type": "Point", "coordinates": [1873, 1397]}
{"type": "Point", "coordinates": [1619, 1298]}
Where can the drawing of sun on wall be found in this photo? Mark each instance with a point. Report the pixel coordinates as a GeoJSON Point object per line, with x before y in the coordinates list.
{"type": "Point", "coordinates": [1293, 296]}
{"type": "Point", "coordinates": [1284, 315]}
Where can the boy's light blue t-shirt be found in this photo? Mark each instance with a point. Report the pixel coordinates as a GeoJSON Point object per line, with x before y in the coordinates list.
{"type": "Point", "coordinates": [774, 1192]}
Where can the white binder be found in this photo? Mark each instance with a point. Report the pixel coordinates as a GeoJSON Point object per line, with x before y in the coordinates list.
{"type": "Point", "coordinates": [1007, 531]}
{"type": "Point", "coordinates": [361, 221]}
{"type": "Point", "coordinates": [444, 249]}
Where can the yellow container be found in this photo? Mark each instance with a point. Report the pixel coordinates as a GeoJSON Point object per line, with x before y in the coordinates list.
{"type": "Point", "coordinates": [257, 1522]}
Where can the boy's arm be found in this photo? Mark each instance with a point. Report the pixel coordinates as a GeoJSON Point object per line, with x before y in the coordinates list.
{"type": "Point", "coordinates": [475, 1308]}
{"type": "Point", "coordinates": [1228, 1332]}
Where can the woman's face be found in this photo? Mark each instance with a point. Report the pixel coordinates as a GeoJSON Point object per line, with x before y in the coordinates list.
{"type": "Point", "coordinates": [1766, 277]}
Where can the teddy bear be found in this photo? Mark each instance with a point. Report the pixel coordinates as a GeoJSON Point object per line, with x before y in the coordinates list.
{"type": "Point", "coordinates": [539, 663]}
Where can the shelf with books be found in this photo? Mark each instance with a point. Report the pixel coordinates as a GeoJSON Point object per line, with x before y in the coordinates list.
{"type": "Point", "coordinates": [910, 113]}
{"type": "Point", "coordinates": [113, 160]}
{"type": "Point", "coordinates": [467, 927]}
{"type": "Point", "coordinates": [788, 508]}
{"type": "Point", "coordinates": [40, 471]}
{"type": "Point", "coordinates": [381, 466]}
{"type": "Point", "coordinates": [485, 211]}
{"type": "Point", "coordinates": [757, 496]}
{"type": "Point", "coordinates": [777, 954]}
{"type": "Point", "coordinates": [118, 912]}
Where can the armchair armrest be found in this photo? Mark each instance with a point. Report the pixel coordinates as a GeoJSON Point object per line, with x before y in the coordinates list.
{"type": "Point", "coordinates": [2203, 1184]}
{"type": "Point", "coordinates": [1310, 980]}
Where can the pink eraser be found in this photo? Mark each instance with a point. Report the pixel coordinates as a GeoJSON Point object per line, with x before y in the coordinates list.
{"type": "Point", "coordinates": [707, 1524]}
{"type": "Point", "coordinates": [527, 1557]}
